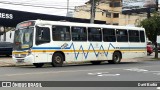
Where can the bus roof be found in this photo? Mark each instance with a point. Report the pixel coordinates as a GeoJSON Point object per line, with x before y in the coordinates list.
{"type": "Point", "coordinates": [65, 23]}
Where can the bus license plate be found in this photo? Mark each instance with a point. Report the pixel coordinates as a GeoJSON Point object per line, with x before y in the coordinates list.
{"type": "Point", "coordinates": [20, 60]}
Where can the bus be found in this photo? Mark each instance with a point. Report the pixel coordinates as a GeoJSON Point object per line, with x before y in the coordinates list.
{"type": "Point", "coordinates": [39, 42]}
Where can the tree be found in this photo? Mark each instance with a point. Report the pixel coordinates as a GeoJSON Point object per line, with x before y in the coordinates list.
{"type": "Point", "coordinates": [152, 27]}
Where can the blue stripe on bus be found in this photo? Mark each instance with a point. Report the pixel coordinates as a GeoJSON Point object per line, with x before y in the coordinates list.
{"type": "Point", "coordinates": [132, 47]}
{"type": "Point", "coordinates": [46, 47]}
{"type": "Point", "coordinates": [81, 45]}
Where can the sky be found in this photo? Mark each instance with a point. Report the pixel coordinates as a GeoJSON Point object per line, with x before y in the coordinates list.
{"type": "Point", "coordinates": [53, 7]}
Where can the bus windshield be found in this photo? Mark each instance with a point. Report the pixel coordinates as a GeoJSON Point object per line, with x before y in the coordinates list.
{"type": "Point", "coordinates": [23, 38]}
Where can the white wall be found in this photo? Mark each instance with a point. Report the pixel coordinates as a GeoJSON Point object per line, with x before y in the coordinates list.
{"type": "Point", "coordinates": [158, 39]}
{"type": "Point", "coordinates": [8, 38]}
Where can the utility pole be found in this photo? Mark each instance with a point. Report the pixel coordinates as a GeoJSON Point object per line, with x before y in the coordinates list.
{"type": "Point", "coordinates": [155, 43]}
{"type": "Point", "coordinates": [92, 11]}
{"type": "Point", "coordinates": [148, 12]}
{"type": "Point", "coordinates": [156, 5]}
{"type": "Point", "coordinates": [67, 7]}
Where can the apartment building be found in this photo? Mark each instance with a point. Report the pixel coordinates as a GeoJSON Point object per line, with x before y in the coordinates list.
{"type": "Point", "coordinates": [109, 11]}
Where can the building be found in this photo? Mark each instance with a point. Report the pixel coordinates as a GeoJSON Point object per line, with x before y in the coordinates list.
{"type": "Point", "coordinates": [10, 18]}
{"type": "Point", "coordinates": [109, 11]}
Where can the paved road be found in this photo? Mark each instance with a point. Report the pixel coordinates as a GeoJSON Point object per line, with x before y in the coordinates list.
{"type": "Point", "coordinates": [126, 71]}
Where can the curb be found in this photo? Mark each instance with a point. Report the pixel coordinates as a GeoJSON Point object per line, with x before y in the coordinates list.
{"type": "Point", "coordinates": [11, 64]}
{"type": "Point", "coordinates": [7, 64]}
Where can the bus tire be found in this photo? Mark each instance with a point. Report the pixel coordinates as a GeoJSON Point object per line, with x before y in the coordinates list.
{"type": "Point", "coordinates": [57, 60]}
{"type": "Point", "coordinates": [116, 58]}
{"type": "Point", "coordinates": [38, 65]}
{"type": "Point", "coordinates": [96, 62]}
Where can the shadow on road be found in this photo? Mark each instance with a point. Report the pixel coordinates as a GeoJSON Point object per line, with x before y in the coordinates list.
{"type": "Point", "coordinates": [80, 65]}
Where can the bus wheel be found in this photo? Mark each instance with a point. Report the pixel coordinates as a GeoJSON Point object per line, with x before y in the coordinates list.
{"type": "Point", "coordinates": [96, 62]}
{"type": "Point", "coordinates": [38, 65]}
{"type": "Point", "coordinates": [57, 60]}
{"type": "Point", "coordinates": [116, 58]}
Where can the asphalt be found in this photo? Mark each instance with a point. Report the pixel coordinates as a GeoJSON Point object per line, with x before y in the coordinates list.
{"type": "Point", "coordinates": [7, 61]}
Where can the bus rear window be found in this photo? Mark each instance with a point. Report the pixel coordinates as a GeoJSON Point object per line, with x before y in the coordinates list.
{"type": "Point", "coordinates": [142, 36]}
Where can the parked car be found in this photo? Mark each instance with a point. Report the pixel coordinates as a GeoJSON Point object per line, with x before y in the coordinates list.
{"type": "Point", "coordinates": [149, 49]}
{"type": "Point", "coordinates": [6, 48]}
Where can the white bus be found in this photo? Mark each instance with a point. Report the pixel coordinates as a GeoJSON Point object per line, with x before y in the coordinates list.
{"type": "Point", "coordinates": [56, 42]}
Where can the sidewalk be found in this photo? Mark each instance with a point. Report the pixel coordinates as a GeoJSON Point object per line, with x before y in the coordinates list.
{"type": "Point", "coordinates": [146, 58]}
{"type": "Point", "coordinates": [4, 62]}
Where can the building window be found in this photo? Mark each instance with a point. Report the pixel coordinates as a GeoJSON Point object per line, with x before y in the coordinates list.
{"type": "Point", "coordinates": [115, 15]}
{"type": "Point", "coordinates": [108, 14]}
{"type": "Point", "coordinates": [115, 4]}
{"type": "Point", "coordinates": [103, 13]}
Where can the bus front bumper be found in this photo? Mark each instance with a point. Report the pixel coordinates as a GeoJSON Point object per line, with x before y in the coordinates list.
{"type": "Point", "coordinates": [29, 59]}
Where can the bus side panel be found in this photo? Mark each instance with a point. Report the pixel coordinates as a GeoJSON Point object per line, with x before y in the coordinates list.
{"type": "Point", "coordinates": [109, 48]}
{"type": "Point", "coordinates": [123, 47]}
{"type": "Point", "coordinates": [83, 51]}
{"type": "Point", "coordinates": [41, 53]}
{"type": "Point", "coordinates": [137, 50]}
{"type": "Point", "coordinates": [64, 47]}
{"type": "Point", "coordinates": [91, 51]}
{"type": "Point", "coordinates": [102, 53]}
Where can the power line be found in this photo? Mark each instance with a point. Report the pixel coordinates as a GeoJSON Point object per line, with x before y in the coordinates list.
{"type": "Point", "coordinates": [53, 4]}
{"type": "Point", "coordinates": [41, 6]}
{"type": "Point", "coordinates": [27, 4]}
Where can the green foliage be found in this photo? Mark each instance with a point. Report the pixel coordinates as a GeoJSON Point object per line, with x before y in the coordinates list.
{"type": "Point", "coordinates": [152, 26]}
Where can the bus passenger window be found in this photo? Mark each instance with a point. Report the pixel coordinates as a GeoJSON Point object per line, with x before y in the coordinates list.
{"type": "Point", "coordinates": [79, 34]}
{"type": "Point", "coordinates": [109, 35]}
{"type": "Point", "coordinates": [134, 36]}
{"type": "Point", "coordinates": [122, 35]}
{"type": "Point", "coordinates": [61, 33]}
{"type": "Point", "coordinates": [42, 35]}
{"type": "Point", "coordinates": [94, 34]}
